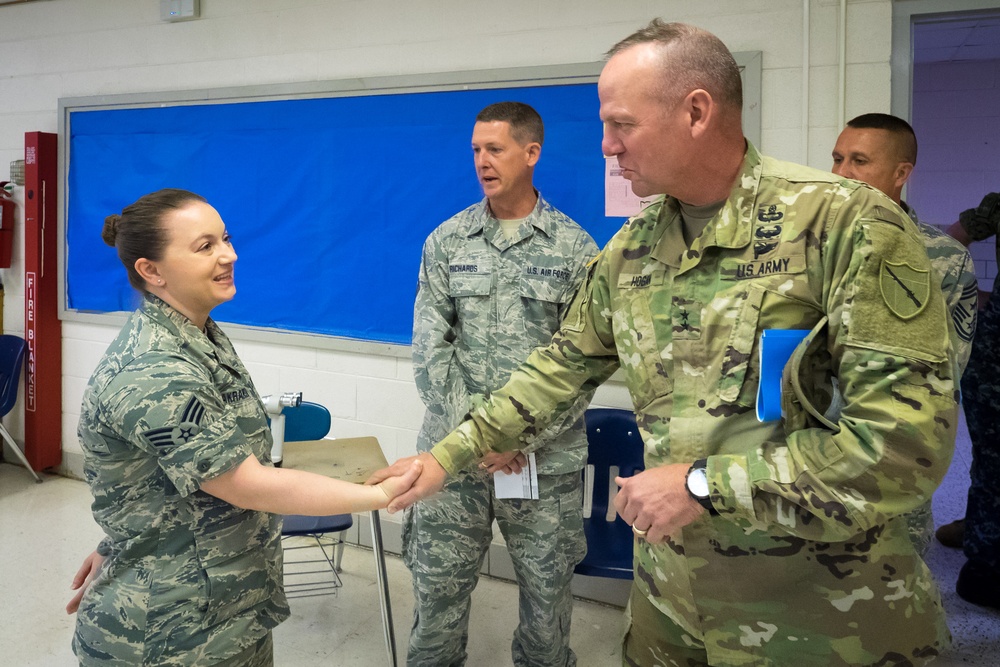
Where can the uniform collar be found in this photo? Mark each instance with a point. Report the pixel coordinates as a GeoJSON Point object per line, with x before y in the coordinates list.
{"type": "Point", "coordinates": [482, 219]}
{"type": "Point", "coordinates": [162, 313]}
{"type": "Point", "coordinates": [730, 228]}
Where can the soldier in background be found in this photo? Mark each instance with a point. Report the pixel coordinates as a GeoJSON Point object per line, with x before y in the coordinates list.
{"type": "Point", "coordinates": [757, 543]}
{"type": "Point", "coordinates": [881, 150]}
{"type": "Point", "coordinates": [979, 532]}
{"type": "Point", "coordinates": [495, 281]}
{"type": "Point", "coordinates": [177, 455]}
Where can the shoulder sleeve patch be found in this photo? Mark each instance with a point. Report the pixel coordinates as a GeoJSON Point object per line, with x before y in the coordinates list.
{"type": "Point", "coordinates": [893, 307]}
{"type": "Point", "coordinates": [905, 289]}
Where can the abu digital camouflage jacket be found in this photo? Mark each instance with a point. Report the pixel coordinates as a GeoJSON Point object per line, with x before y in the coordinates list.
{"type": "Point", "coordinates": [484, 302]}
{"type": "Point", "coordinates": [188, 578]}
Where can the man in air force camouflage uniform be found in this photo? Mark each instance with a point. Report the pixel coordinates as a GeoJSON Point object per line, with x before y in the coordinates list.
{"type": "Point", "coordinates": [494, 282]}
{"type": "Point", "coordinates": [187, 578]}
{"type": "Point", "coordinates": [881, 150]}
{"type": "Point", "coordinates": [758, 543]}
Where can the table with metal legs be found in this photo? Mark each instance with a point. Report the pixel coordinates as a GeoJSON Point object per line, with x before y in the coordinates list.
{"type": "Point", "coordinates": [352, 460]}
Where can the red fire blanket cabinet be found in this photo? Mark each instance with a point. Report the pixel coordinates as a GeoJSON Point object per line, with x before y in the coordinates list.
{"type": "Point", "coordinates": [42, 329]}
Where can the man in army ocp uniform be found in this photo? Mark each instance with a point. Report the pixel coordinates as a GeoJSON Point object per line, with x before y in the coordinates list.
{"type": "Point", "coordinates": [495, 280]}
{"type": "Point", "coordinates": [757, 543]}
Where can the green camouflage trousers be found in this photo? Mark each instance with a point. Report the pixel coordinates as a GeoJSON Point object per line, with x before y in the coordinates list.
{"type": "Point", "coordinates": [445, 540]}
{"type": "Point", "coordinates": [653, 640]}
{"type": "Point", "coordinates": [920, 525]}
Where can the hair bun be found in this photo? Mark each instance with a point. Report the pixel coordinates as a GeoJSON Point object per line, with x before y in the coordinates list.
{"type": "Point", "coordinates": [110, 231]}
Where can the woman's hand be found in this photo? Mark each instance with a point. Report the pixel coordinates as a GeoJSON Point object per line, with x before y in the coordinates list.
{"type": "Point", "coordinates": [81, 582]}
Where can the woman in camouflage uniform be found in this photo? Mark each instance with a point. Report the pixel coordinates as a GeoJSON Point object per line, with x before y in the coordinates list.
{"type": "Point", "coordinates": [177, 452]}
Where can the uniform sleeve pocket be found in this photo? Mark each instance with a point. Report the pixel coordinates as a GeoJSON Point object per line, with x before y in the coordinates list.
{"type": "Point", "coordinates": [574, 318]}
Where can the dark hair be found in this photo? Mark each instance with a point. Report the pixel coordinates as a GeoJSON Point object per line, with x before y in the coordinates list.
{"type": "Point", "coordinates": [139, 233]}
{"type": "Point", "coordinates": [692, 58]}
{"type": "Point", "coordinates": [525, 123]}
{"type": "Point", "coordinates": [906, 138]}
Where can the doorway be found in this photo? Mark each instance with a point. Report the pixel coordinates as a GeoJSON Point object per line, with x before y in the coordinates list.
{"type": "Point", "coordinates": [953, 103]}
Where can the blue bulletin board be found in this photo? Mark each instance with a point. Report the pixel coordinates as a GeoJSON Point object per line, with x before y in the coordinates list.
{"type": "Point", "coordinates": [328, 198]}
{"type": "Point", "coordinates": [328, 188]}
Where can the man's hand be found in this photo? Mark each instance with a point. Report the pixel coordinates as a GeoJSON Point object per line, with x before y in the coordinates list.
{"type": "Point", "coordinates": [988, 210]}
{"type": "Point", "coordinates": [505, 462]}
{"type": "Point", "coordinates": [656, 501]}
{"type": "Point", "coordinates": [957, 232]}
{"type": "Point", "coordinates": [982, 219]}
{"type": "Point", "coordinates": [393, 486]}
{"type": "Point", "coordinates": [429, 482]}
{"type": "Point", "coordinates": [81, 582]}
{"type": "Point", "coordinates": [984, 299]}
{"type": "Point", "coordinates": [395, 470]}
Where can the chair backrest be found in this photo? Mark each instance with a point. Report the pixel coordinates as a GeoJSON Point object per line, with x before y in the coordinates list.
{"type": "Point", "coordinates": [11, 356]}
{"type": "Point", "coordinates": [614, 448]}
{"type": "Point", "coordinates": [613, 443]}
{"type": "Point", "coordinates": [308, 421]}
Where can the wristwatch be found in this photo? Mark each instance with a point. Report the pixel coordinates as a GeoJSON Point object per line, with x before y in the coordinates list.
{"type": "Point", "coordinates": [696, 483]}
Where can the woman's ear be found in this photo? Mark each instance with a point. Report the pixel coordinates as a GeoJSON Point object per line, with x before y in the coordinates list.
{"type": "Point", "coordinates": [148, 271]}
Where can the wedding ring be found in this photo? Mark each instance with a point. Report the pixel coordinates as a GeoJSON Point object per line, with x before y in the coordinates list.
{"type": "Point", "coordinates": [640, 533]}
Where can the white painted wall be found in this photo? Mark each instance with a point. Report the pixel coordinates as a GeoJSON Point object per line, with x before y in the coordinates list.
{"type": "Point", "coordinates": [71, 48]}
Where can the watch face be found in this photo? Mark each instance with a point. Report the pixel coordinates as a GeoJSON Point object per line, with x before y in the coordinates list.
{"type": "Point", "coordinates": [697, 483]}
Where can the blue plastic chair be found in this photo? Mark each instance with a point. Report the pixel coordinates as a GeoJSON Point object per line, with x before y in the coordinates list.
{"type": "Point", "coordinates": [614, 448]}
{"type": "Point", "coordinates": [12, 350]}
{"type": "Point", "coordinates": [311, 421]}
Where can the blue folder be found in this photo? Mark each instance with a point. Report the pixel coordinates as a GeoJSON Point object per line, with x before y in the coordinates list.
{"type": "Point", "coordinates": [776, 347]}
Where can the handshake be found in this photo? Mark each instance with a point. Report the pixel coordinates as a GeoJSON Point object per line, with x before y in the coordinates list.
{"type": "Point", "coordinates": [986, 214]}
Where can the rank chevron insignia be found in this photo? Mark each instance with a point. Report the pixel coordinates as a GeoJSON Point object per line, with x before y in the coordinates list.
{"type": "Point", "coordinates": [189, 426]}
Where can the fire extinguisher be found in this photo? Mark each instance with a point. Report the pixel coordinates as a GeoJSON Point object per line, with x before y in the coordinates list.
{"type": "Point", "coordinates": [7, 208]}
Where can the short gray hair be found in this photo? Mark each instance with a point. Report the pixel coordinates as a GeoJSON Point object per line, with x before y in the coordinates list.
{"type": "Point", "coordinates": [693, 58]}
{"type": "Point", "coordinates": [525, 123]}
